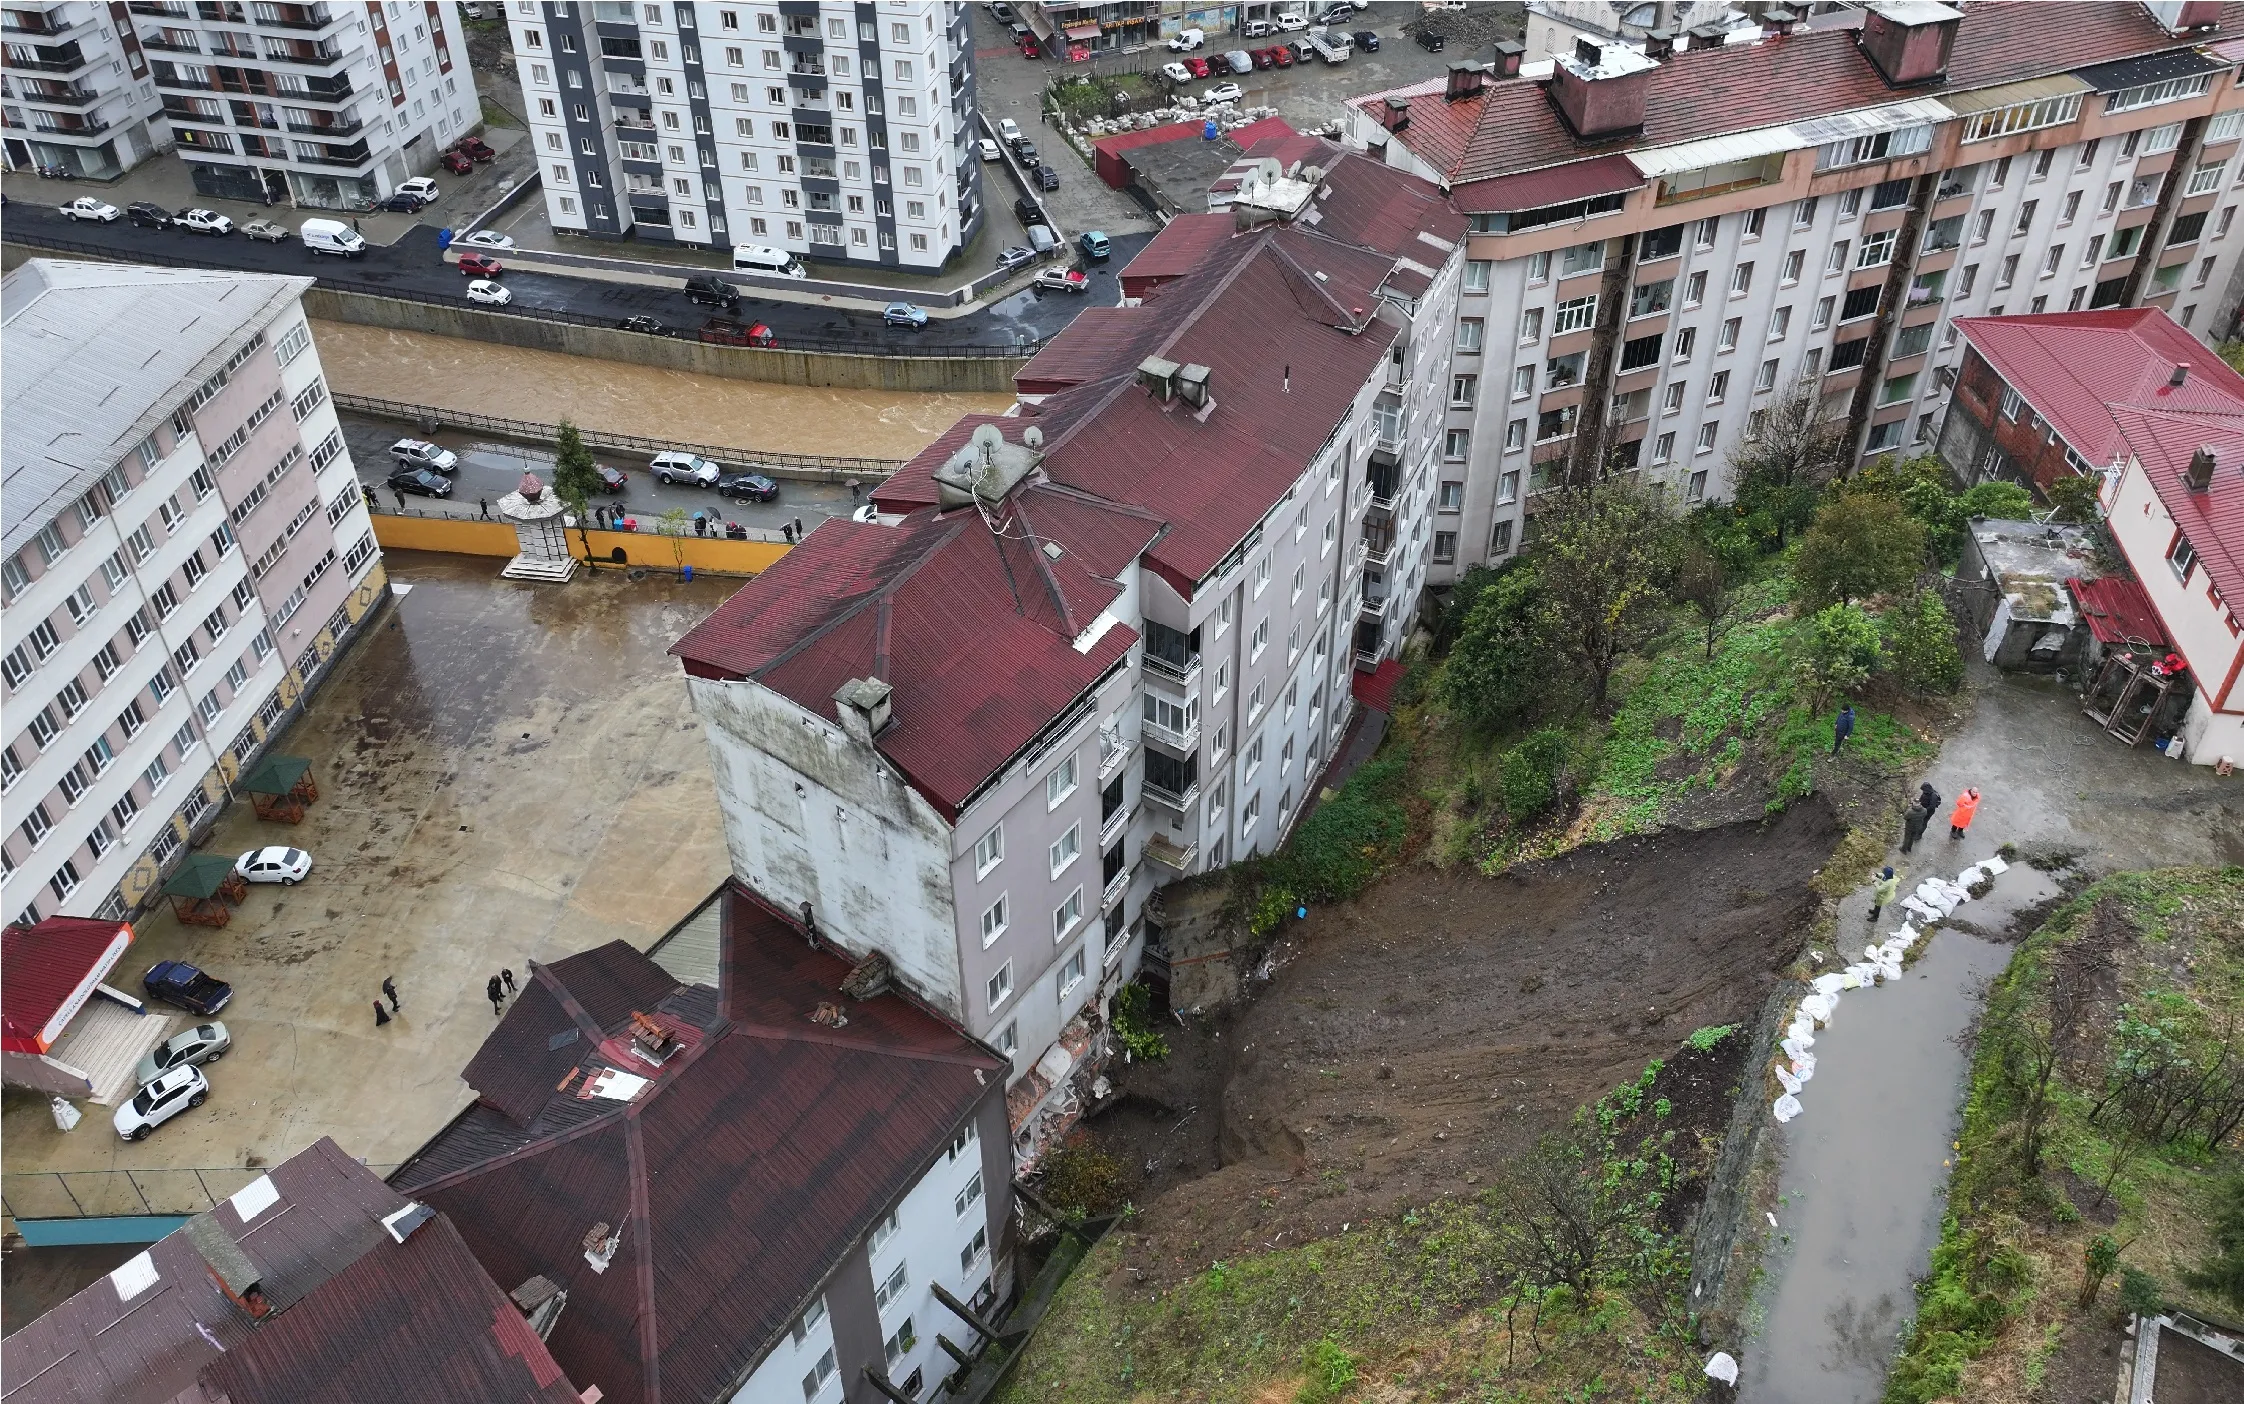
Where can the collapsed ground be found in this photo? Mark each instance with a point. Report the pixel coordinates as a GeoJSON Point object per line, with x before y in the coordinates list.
{"type": "Point", "coordinates": [1411, 1041]}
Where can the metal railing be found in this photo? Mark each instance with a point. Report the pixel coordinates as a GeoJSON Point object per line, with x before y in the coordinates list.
{"type": "Point", "coordinates": [1187, 739]}
{"type": "Point", "coordinates": [1114, 824]}
{"type": "Point", "coordinates": [813, 466]}
{"type": "Point", "coordinates": [94, 1194]}
{"type": "Point", "coordinates": [1169, 670]}
{"type": "Point", "coordinates": [1171, 799]}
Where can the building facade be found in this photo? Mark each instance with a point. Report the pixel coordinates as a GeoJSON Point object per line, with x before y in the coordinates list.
{"type": "Point", "coordinates": [1666, 244]}
{"type": "Point", "coordinates": [75, 90]}
{"type": "Point", "coordinates": [835, 131]}
{"type": "Point", "coordinates": [1106, 640]}
{"type": "Point", "coordinates": [186, 549]}
{"type": "Point", "coordinates": [321, 106]}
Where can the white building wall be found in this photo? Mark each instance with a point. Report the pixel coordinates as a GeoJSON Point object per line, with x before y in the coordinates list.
{"type": "Point", "coordinates": [106, 137]}
{"type": "Point", "coordinates": [2196, 624]}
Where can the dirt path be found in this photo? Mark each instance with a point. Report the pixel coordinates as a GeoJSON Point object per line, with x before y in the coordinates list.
{"type": "Point", "coordinates": [545, 386]}
{"type": "Point", "coordinates": [1439, 1024]}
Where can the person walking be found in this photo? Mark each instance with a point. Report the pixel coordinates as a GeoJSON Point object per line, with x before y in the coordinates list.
{"type": "Point", "coordinates": [1889, 886]}
{"type": "Point", "coordinates": [381, 1015]}
{"type": "Point", "coordinates": [1928, 797]}
{"type": "Point", "coordinates": [483, 509]}
{"type": "Point", "coordinates": [506, 977]}
{"type": "Point", "coordinates": [495, 994]}
{"type": "Point", "coordinates": [389, 990]}
{"type": "Point", "coordinates": [1913, 826]}
{"type": "Point", "coordinates": [1842, 728]}
{"type": "Point", "coordinates": [1959, 819]}
{"type": "Point", "coordinates": [399, 494]}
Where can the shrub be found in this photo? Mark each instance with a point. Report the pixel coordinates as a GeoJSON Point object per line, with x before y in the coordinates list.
{"type": "Point", "coordinates": [2006, 501]}
{"type": "Point", "coordinates": [1860, 544]}
{"type": "Point", "coordinates": [2140, 1294]}
{"type": "Point", "coordinates": [1705, 1039]}
{"type": "Point", "coordinates": [2223, 1273]}
{"type": "Point", "coordinates": [1341, 846]}
{"type": "Point", "coordinates": [1921, 644]}
{"type": "Point", "coordinates": [1838, 653]}
{"type": "Point", "coordinates": [1502, 666]}
{"type": "Point", "coordinates": [1331, 1371]}
{"type": "Point", "coordinates": [1081, 1179]}
{"type": "Point", "coordinates": [1133, 1024]}
{"type": "Point", "coordinates": [2074, 497]}
{"type": "Point", "coordinates": [1531, 773]}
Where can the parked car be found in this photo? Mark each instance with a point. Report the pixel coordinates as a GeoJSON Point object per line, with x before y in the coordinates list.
{"type": "Point", "coordinates": [480, 265]}
{"type": "Point", "coordinates": [1019, 255]}
{"type": "Point", "coordinates": [204, 1043]}
{"type": "Point", "coordinates": [903, 314]}
{"type": "Point", "coordinates": [748, 487]}
{"type": "Point", "coordinates": [420, 453]}
{"type": "Point", "coordinates": [1240, 60]}
{"type": "Point", "coordinates": [1223, 92]}
{"type": "Point", "coordinates": [160, 1101]}
{"type": "Point", "coordinates": [1047, 178]}
{"type": "Point", "coordinates": [420, 188]}
{"type": "Point", "coordinates": [148, 216]}
{"type": "Point", "coordinates": [986, 149]}
{"type": "Point", "coordinates": [1176, 72]}
{"type": "Point", "coordinates": [400, 204]}
{"type": "Point", "coordinates": [1282, 55]}
{"type": "Point", "coordinates": [87, 207]}
{"type": "Point", "coordinates": [613, 479]}
{"type": "Point", "coordinates": [649, 325]}
{"type": "Point", "coordinates": [203, 222]}
{"type": "Point", "coordinates": [489, 239]}
{"type": "Point", "coordinates": [1008, 130]}
{"type": "Point", "coordinates": [723, 331]}
{"type": "Point", "coordinates": [1263, 58]}
{"type": "Point", "coordinates": [1336, 14]}
{"type": "Point", "coordinates": [678, 466]}
{"type": "Point", "coordinates": [1197, 66]}
{"type": "Point", "coordinates": [1292, 23]}
{"type": "Point", "coordinates": [475, 149]}
{"type": "Point", "coordinates": [176, 983]}
{"type": "Point", "coordinates": [1188, 40]}
{"type": "Point", "coordinates": [454, 162]}
{"type": "Point", "coordinates": [1095, 244]}
{"type": "Point", "coordinates": [1027, 211]}
{"type": "Point", "coordinates": [711, 291]}
{"type": "Point", "coordinates": [1042, 239]}
{"type": "Point", "coordinates": [265, 231]}
{"type": "Point", "coordinates": [281, 864]}
{"type": "Point", "coordinates": [1025, 152]}
{"type": "Point", "coordinates": [1062, 280]}
{"type": "Point", "coordinates": [488, 294]}
{"type": "Point", "coordinates": [1003, 14]}
{"type": "Point", "coordinates": [420, 482]}
{"type": "Point", "coordinates": [1430, 41]}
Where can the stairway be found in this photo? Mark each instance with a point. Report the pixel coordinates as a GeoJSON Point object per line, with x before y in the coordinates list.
{"type": "Point", "coordinates": [544, 568]}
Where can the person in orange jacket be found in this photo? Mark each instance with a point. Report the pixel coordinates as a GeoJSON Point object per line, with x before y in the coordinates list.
{"type": "Point", "coordinates": [1967, 806]}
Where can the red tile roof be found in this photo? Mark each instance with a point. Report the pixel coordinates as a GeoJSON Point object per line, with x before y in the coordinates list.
{"type": "Point", "coordinates": [1512, 126]}
{"type": "Point", "coordinates": [2070, 366]}
{"type": "Point", "coordinates": [739, 1178]}
{"type": "Point", "coordinates": [48, 971]}
{"type": "Point", "coordinates": [1552, 185]}
{"type": "Point", "coordinates": [2164, 441]}
{"type": "Point", "coordinates": [2117, 611]}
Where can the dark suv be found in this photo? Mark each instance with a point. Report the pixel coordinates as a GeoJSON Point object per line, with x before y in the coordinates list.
{"type": "Point", "coordinates": [148, 216]}
{"type": "Point", "coordinates": [1029, 211]}
{"type": "Point", "coordinates": [712, 292]}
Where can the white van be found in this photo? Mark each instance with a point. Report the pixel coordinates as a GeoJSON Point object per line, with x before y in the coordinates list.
{"type": "Point", "coordinates": [763, 258]}
{"type": "Point", "coordinates": [1256, 29]}
{"type": "Point", "coordinates": [332, 236]}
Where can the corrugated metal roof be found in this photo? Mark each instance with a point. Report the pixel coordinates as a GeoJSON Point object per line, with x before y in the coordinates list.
{"type": "Point", "coordinates": [2117, 611]}
{"type": "Point", "coordinates": [2149, 68]}
{"type": "Point", "coordinates": [44, 967]}
{"type": "Point", "coordinates": [2073, 366]}
{"type": "Point", "coordinates": [2213, 520]}
{"type": "Point", "coordinates": [1839, 126]}
{"type": "Point", "coordinates": [98, 355]}
{"type": "Point", "coordinates": [2012, 94]}
{"type": "Point", "coordinates": [1552, 185]}
{"type": "Point", "coordinates": [1715, 151]}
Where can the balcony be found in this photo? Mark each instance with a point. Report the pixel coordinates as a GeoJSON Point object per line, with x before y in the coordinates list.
{"type": "Point", "coordinates": [1366, 662]}
{"type": "Point", "coordinates": [72, 126]}
{"type": "Point", "coordinates": [1180, 801]}
{"type": "Point", "coordinates": [1114, 753]}
{"type": "Point", "coordinates": [325, 90]}
{"type": "Point", "coordinates": [47, 24]}
{"type": "Point", "coordinates": [1373, 608]}
{"type": "Point", "coordinates": [176, 9]}
{"type": "Point", "coordinates": [328, 129]}
{"type": "Point", "coordinates": [1115, 823]}
{"type": "Point", "coordinates": [1186, 741]}
{"type": "Point", "coordinates": [1181, 672]}
{"type": "Point", "coordinates": [1115, 889]}
{"type": "Point", "coordinates": [1165, 852]}
{"type": "Point", "coordinates": [61, 97]}
{"type": "Point", "coordinates": [67, 59]}
{"type": "Point", "coordinates": [297, 54]}
{"type": "Point", "coordinates": [1378, 546]}
{"type": "Point", "coordinates": [296, 16]}
{"type": "Point", "coordinates": [158, 44]}
{"type": "Point", "coordinates": [1387, 430]}
{"type": "Point", "coordinates": [220, 11]}
{"type": "Point", "coordinates": [354, 155]}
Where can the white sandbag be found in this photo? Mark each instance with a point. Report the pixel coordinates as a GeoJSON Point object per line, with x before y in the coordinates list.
{"type": "Point", "coordinates": [1923, 909]}
{"type": "Point", "coordinates": [1792, 1047]}
{"type": "Point", "coordinates": [1818, 1007]}
{"type": "Point", "coordinates": [1787, 1107]}
{"type": "Point", "coordinates": [1993, 867]}
{"type": "Point", "coordinates": [1802, 1032]}
{"type": "Point", "coordinates": [1722, 1366]}
{"type": "Point", "coordinates": [1852, 978]}
{"type": "Point", "coordinates": [1826, 984]}
{"type": "Point", "coordinates": [1787, 1081]}
{"type": "Point", "coordinates": [1889, 970]}
{"type": "Point", "coordinates": [1803, 1067]}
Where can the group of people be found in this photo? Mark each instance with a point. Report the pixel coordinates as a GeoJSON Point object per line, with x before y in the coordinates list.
{"type": "Point", "coordinates": [1913, 825]}
{"type": "Point", "coordinates": [498, 989]}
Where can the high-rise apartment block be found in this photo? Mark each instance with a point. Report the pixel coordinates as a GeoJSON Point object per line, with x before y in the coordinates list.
{"type": "Point", "coordinates": [186, 548]}
{"type": "Point", "coordinates": [77, 92]}
{"type": "Point", "coordinates": [834, 131]}
{"type": "Point", "coordinates": [1669, 239]}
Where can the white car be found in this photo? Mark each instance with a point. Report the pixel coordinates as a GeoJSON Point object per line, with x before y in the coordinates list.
{"type": "Point", "coordinates": [1008, 130]}
{"type": "Point", "coordinates": [681, 467]}
{"type": "Point", "coordinates": [986, 148]}
{"type": "Point", "coordinates": [419, 187]}
{"type": "Point", "coordinates": [160, 1101]}
{"type": "Point", "coordinates": [1293, 23]}
{"type": "Point", "coordinates": [203, 222]}
{"type": "Point", "coordinates": [1188, 40]}
{"type": "Point", "coordinates": [1223, 92]}
{"type": "Point", "coordinates": [204, 1043]}
{"type": "Point", "coordinates": [485, 291]}
{"type": "Point", "coordinates": [87, 207]}
{"type": "Point", "coordinates": [276, 864]}
{"type": "Point", "coordinates": [487, 239]}
{"type": "Point", "coordinates": [420, 453]}
{"type": "Point", "coordinates": [1176, 72]}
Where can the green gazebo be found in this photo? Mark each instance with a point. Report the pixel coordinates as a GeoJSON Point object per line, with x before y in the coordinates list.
{"type": "Point", "coordinates": [280, 787]}
{"type": "Point", "coordinates": [201, 889]}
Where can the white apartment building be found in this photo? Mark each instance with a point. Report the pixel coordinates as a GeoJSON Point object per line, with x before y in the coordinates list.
{"type": "Point", "coordinates": [186, 549]}
{"type": "Point", "coordinates": [834, 131]}
{"type": "Point", "coordinates": [1108, 639]}
{"type": "Point", "coordinates": [319, 105]}
{"type": "Point", "coordinates": [1813, 206]}
{"type": "Point", "coordinates": [1553, 26]}
{"type": "Point", "coordinates": [75, 90]}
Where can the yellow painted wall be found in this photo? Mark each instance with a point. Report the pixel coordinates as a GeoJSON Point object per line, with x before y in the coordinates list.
{"type": "Point", "coordinates": [470, 538]}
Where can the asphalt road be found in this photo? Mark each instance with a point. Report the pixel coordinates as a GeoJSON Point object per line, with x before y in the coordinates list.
{"type": "Point", "coordinates": [414, 264]}
{"type": "Point", "coordinates": [491, 468]}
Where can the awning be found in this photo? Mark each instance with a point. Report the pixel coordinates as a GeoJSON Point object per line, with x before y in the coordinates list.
{"type": "Point", "coordinates": [1552, 185]}
{"type": "Point", "coordinates": [2118, 612]}
{"type": "Point", "coordinates": [1081, 31]}
{"type": "Point", "coordinates": [1717, 151]}
{"type": "Point", "coordinates": [2150, 68]}
{"type": "Point", "coordinates": [199, 877]}
{"type": "Point", "coordinates": [48, 972]}
{"type": "Point", "coordinates": [1840, 126]}
{"type": "Point", "coordinates": [2012, 94]}
{"type": "Point", "coordinates": [275, 775]}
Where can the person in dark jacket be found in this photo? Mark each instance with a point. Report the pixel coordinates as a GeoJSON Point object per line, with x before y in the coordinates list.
{"type": "Point", "coordinates": [1928, 797]}
{"type": "Point", "coordinates": [506, 980]}
{"type": "Point", "coordinates": [1913, 826]}
{"type": "Point", "coordinates": [1842, 727]}
{"type": "Point", "coordinates": [381, 1015]}
{"type": "Point", "coordinates": [495, 994]}
{"type": "Point", "coordinates": [389, 990]}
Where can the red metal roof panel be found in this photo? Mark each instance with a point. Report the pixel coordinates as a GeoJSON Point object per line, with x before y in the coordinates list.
{"type": "Point", "coordinates": [48, 971]}
{"type": "Point", "coordinates": [2213, 520]}
{"type": "Point", "coordinates": [1552, 185]}
{"type": "Point", "coordinates": [2118, 611]}
{"type": "Point", "coordinates": [2071, 366]}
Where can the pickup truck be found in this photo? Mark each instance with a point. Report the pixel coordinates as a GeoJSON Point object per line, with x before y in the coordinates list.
{"type": "Point", "coordinates": [177, 983]}
{"type": "Point", "coordinates": [1331, 45]}
{"type": "Point", "coordinates": [722, 331]}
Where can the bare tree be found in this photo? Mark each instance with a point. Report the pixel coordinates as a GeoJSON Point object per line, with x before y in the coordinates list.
{"type": "Point", "coordinates": [1561, 1220]}
{"type": "Point", "coordinates": [1779, 471]}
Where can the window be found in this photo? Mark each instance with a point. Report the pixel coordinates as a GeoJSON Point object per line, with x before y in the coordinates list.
{"type": "Point", "coordinates": [975, 1247]}
{"type": "Point", "coordinates": [1877, 249]}
{"type": "Point", "coordinates": [1897, 389]}
{"type": "Point", "coordinates": [1515, 435]}
{"type": "Point", "coordinates": [1060, 783]}
{"type": "Point", "coordinates": [2152, 94]}
{"type": "Point", "coordinates": [1686, 341]}
{"type": "Point", "coordinates": [1454, 445]}
{"type": "Point", "coordinates": [1694, 289]}
{"type": "Point", "coordinates": [1663, 448]}
{"type": "Point", "coordinates": [1000, 985]}
{"type": "Point", "coordinates": [1581, 258]}
{"type": "Point", "coordinates": [1538, 268]}
{"type": "Point", "coordinates": [2008, 273]}
{"type": "Point", "coordinates": [967, 1198]}
{"type": "Point", "coordinates": [1727, 338]}
{"type": "Point", "coordinates": [1476, 274]}
{"type": "Point", "coordinates": [993, 923]}
{"type": "Point", "coordinates": [1071, 973]}
{"type": "Point", "coordinates": [1702, 233]}
{"type": "Point", "coordinates": [1068, 846]}
{"type": "Point", "coordinates": [1640, 352]}
{"type": "Point", "coordinates": [1780, 322]}
{"type": "Point", "coordinates": [1862, 302]}
{"type": "Point", "coordinates": [1462, 391]}
{"type": "Point", "coordinates": [1575, 315]}
{"type": "Point", "coordinates": [1706, 437]}
{"type": "Point", "coordinates": [1468, 334]}
{"type": "Point", "coordinates": [1766, 377]}
{"type": "Point", "coordinates": [1836, 262]}
{"type": "Point", "coordinates": [2160, 139]}
{"type": "Point", "coordinates": [1649, 298]}
{"type": "Point", "coordinates": [1674, 401]}
{"type": "Point", "coordinates": [1794, 263]}
{"type": "Point", "coordinates": [1445, 549]}
{"type": "Point", "coordinates": [891, 1288]}
{"type": "Point", "coordinates": [989, 850]}
{"type": "Point", "coordinates": [824, 1370]}
{"type": "Point", "coordinates": [1067, 914]}
{"type": "Point", "coordinates": [1741, 278]}
{"type": "Point", "coordinates": [2052, 260]}
{"type": "Point", "coordinates": [1562, 371]}
{"type": "Point", "coordinates": [1878, 146]}
{"type": "Point", "coordinates": [1523, 382]}
{"type": "Point", "coordinates": [2206, 179]}
{"type": "Point", "coordinates": [2022, 117]}
{"type": "Point", "coordinates": [1718, 388]}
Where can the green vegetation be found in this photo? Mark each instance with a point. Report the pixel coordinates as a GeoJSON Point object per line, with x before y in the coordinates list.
{"type": "Point", "coordinates": [1920, 643]}
{"type": "Point", "coordinates": [1349, 838]}
{"type": "Point", "coordinates": [1861, 544]}
{"type": "Point", "coordinates": [1331, 1372]}
{"type": "Point", "coordinates": [1081, 1180]}
{"type": "Point", "coordinates": [2107, 1083]}
{"type": "Point", "coordinates": [1133, 1024]}
{"type": "Point", "coordinates": [1532, 771]}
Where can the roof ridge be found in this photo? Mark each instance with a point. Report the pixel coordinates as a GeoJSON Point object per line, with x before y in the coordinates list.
{"type": "Point", "coordinates": [570, 1005]}
{"type": "Point", "coordinates": [1309, 278]}
{"type": "Point", "coordinates": [642, 1223]}
{"type": "Point", "coordinates": [850, 611]}
{"type": "Point", "coordinates": [780, 1034]}
{"type": "Point", "coordinates": [1043, 565]}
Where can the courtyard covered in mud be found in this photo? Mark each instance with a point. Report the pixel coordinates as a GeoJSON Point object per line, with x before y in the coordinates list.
{"type": "Point", "coordinates": [1407, 1043]}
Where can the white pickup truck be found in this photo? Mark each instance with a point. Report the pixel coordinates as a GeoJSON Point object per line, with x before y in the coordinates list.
{"type": "Point", "coordinates": [1331, 45]}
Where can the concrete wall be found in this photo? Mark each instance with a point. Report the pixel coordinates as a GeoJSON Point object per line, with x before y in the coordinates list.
{"type": "Point", "coordinates": [474, 538]}
{"type": "Point", "coordinates": [919, 374]}
{"type": "Point", "coordinates": [2196, 619]}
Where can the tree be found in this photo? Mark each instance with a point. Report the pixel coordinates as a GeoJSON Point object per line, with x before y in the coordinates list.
{"type": "Point", "coordinates": [576, 477]}
{"type": "Point", "coordinates": [1921, 644]}
{"type": "Point", "coordinates": [1449, 623]}
{"type": "Point", "coordinates": [1500, 670]}
{"type": "Point", "coordinates": [1531, 773]}
{"type": "Point", "coordinates": [1561, 1217]}
{"type": "Point", "coordinates": [1861, 544]}
{"type": "Point", "coordinates": [1605, 551]}
{"type": "Point", "coordinates": [1842, 650]}
{"type": "Point", "coordinates": [2073, 498]}
{"type": "Point", "coordinates": [2223, 1272]}
{"type": "Point", "coordinates": [1776, 475]}
{"type": "Point", "coordinates": [1703, 583]}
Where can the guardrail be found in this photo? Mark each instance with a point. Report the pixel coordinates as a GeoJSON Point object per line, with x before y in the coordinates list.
{"type": "Point", "coordinates": [97, 1194]}
{"type": "Point", "coordinates": [815, 467]}
{"type": "Point", "coordinates": [37, 238]}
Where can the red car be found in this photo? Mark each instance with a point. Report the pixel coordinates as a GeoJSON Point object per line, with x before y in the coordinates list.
{"type": "Point", "coordinates": [454, 162]}
{"type": "Point", "coordinates": [474, 148]}
{"type": "Point", "coordinates": [477, 265]}
{"type": "Point", "coordinates": [1198, 65]}
{"type": "Point", "coordinates": [722, 331]}
{"type": "Point", "coordinates": [1264, 58]}
{"type": "Point", "coordinates": [1282, 56]}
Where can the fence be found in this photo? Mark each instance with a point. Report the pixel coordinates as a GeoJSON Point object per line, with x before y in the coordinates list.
{"type": "Point", "coordinates": [650, 547]}
{"type": "Point", "coordinates": [809, 467]}
{"type": "Point", "coordinates": [93, 1194]}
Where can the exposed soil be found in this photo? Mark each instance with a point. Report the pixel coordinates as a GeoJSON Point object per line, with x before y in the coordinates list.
{"type": "Point", "coordinates": [1409, 1042]}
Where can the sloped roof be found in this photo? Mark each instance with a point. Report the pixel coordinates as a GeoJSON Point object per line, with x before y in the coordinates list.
{"type": "Point", "coordinates": [2164, 441]}
{"type": "Point", "coordinates": [2117, 610]}
{"type": "Point", "coordinates": [749, 1166]}
{"type": "Point", "coordinates": [2071, 366]}
{"type": "Point", "coordinates": [47, 970]}
{"type": "Point", "coordinates": [1512, 127]}
{"type": "Point", "coordinates": [97, 356]}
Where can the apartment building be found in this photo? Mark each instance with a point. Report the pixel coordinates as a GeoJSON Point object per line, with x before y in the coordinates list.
{"type": "Point", "coordinates": [186, 549]}
{"type": "Point", "coordinates": [835, 131]}
{"type": "Point", "coordinates": [1666, 242]}
{"type": "Point", "coordinates": [318, 106]}
{"type": "Point", "coordinates": [1552, 27]}
{"type": "Point", "coordinates": [75, 90]}
{"type": "Point", "coordinates": [1107, 639]}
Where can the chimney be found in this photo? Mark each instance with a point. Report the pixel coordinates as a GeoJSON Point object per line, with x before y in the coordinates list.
{"type": "Point", "coordinates": [1192, 386]}
{"type": "Point", "coordinates": [600, 1244]}
{"type": "Point", "coordinates": [1509, 54]}
{"type": "Point", "coordinates": [1659, 43]}
{"type": "Point", "coordinates": [1780, 20]}
{"type": "Point", "coordinates": [2180, 377]}
{"type": "Point", "coordinates": [1464, 81]}
{"type": "Point", "coordinates": [1908, 40]}
{"type": "Point", "coordinates": [2176, 16]}
{"type": "Point", "coordinates": [1396, 116]}
{"type": "Point", "coordinates": [861, 705]}
{"type": "Point", "coordinates": [1599, 88]}
{"type": "Point", "coordinates": [1159, 377]}
{"type": "Point", "coordinates": [1709, 36]}
{"type": "Point", "coordinates": [2199, 475]}
{"type": "Point", "coordinates": [236, 1276]}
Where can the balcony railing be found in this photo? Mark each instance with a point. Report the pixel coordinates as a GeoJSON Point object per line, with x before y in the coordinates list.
{"type": "Point", "coordinates": [84, 126]}
{"type": "Point", "coordinates": [1378, 548]}
{"type": "Point", "coordinates": [176, 9]}
{"type": "Point", "coordinates": [1115, 889]}
{"type": "Point", "coordinates": [1162, 850]}
{"type": "Point", "coordinates": [302, 17]}
{"type": "Point", "coordinates": [1366, 661]}
{"type": "Point", "coordinates": [62, 63]}
{"type": "Point", "coordinates": [1114, 753]}
{"type": "Point", "coordinates": [327, 129]}
{"type": "Point", "coordinates": [1181, 674]}
{"type": "Point", "coordinates": [1171, 799]}
{"type": "Point", "coordinates": [1374, 608]}
{"type": "Point", "coordinates": [329, 55]}
{"type": "Point", "coordinates": [1187, 740]}
{"type": "Point", "coordinates": [1114, 824]}
{"type": "Point", "coordinates": [157, 43]}
{"type": "Point", "coordinates": [46, 24]}
{"type": "Point", "coordinates": [69, 97]}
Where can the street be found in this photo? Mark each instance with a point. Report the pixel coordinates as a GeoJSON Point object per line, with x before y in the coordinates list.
{"type": "Point", "coordinates": [491, 468]}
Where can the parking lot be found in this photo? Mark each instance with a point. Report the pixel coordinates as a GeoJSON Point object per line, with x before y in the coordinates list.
{"type": "Point", "coordinates": [507, 773]}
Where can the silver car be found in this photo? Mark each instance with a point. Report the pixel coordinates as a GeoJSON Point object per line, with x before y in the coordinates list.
{"type": "Point", "coordinates": [419, 453]}
{"type": "Point", "coordinates": [679, 466]}
{"type": "Point", "coordinates": [204, 1043]}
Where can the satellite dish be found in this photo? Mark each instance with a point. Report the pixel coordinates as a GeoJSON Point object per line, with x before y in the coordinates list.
{"type": "Point", "coordinates": [986, 437]}
{"type": "Point", "coordinates": [1031, 436]}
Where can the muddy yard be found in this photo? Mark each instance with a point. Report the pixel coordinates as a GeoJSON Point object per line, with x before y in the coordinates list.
{"type": "Point", "coordinates": [1409, 1042]}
